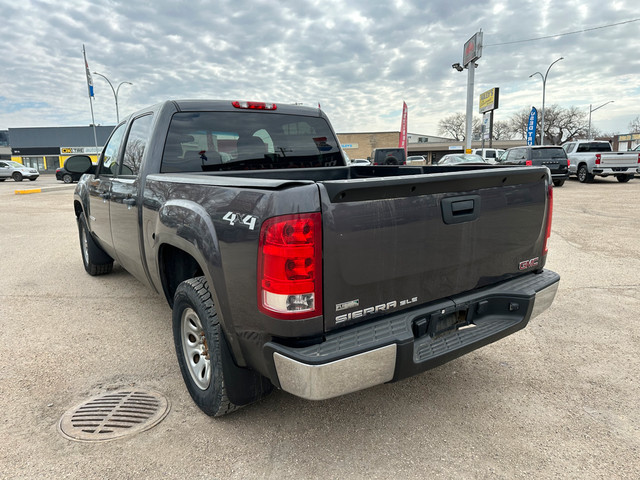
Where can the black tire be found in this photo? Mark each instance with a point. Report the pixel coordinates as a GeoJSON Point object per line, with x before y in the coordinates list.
{"type": "Point", "coordinates": [583, 174]}
{"type": "Point", "coordinates": [96, 261]}
{"type": "Point", "coordinates": [558, 183]}
{"type": "Point", "coordinates": [2, 179]}
{"type": "Point", "coordinates": [17, 176]}
{"type": "Point", "coordinates": [198, 342]}
{"type": "Point", "coordinates": [391, 161]}
{"type": "Point", "coordinates": [66, 178]}
{"type": "Point", "coordinates": [624, 178]}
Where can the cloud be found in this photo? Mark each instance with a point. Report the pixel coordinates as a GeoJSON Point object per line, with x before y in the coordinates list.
{"type": "Point", "coordinates": [359, 59]}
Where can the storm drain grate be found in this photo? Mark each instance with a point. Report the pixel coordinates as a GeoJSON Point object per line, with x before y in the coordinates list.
{"type": "Point", "coordinates": [114, 415]}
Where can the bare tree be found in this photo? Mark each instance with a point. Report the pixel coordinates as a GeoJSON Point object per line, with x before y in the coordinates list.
{"type": "Point", "coordinates": [518, 123]}
{"type": "Point", "coordinates": [634, 125]}
{"type": "Point", "coordinates": [560, 124]}
{"type": "Point", "coordinates": [455, 126]}
{"type": "Point", "coordinates": [501, 130]}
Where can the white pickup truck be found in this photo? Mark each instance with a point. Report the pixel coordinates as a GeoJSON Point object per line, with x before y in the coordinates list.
{"type": "Point", "coordinates": [589, 158]}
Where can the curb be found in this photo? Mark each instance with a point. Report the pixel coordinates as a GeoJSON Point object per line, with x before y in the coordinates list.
{"type": "Point", "coordinates": [43, 189]}
{"type": "Point", "coordinates": [28, 191]}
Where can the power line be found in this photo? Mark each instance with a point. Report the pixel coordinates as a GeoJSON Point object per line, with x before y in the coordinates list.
{"type": "Point", "coordinates": [563, 34]}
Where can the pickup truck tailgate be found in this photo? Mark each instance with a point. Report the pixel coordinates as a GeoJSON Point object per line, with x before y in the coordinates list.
{"type": "Point", "coordinates": [392, 243]}
{"type": "Point", "coordinates": [617, 159]}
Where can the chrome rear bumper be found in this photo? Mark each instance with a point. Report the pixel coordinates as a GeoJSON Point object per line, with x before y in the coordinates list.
{"type": "Point", "coordinates": [390, 349]}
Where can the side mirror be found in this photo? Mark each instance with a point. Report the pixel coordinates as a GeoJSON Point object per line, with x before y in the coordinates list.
{"type": "Point", "coordinates": [78, 164]}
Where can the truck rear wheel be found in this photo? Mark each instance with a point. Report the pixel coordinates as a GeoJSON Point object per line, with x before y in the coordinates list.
{"type": "Point", "coordinates": [624, 178]}
{"type": "Point", "coordinates": [583, 174]}
{"type": "Point", "coordinates": [95, 260]}
{"type": "Point", "coordinates": [203, 357]}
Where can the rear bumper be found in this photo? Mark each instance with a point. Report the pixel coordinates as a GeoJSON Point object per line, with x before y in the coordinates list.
{"type": "Point", "coordinates": [410, 342]}
{"type": "Point", "coordinates": [615, 171]}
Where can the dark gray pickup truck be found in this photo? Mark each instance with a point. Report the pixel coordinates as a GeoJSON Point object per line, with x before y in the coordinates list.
{"type": "Point", "coordinates": [286, 267]}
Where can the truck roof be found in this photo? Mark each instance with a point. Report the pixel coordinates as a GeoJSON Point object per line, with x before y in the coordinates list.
{"type": "Point", "coordinates": [227, 105]}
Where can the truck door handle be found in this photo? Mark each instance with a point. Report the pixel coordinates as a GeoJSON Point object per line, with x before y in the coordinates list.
{"type": "Point", "coordinates": [105, 195]}
{"type": "Point", "coordinates": [129, 201]}
{"type": "Point", "coordinates": [460, 209]}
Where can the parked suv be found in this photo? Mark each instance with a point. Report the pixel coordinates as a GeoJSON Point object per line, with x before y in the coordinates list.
{"type": "Point", "coordinates": [17, 171]}
{"type": "Point", "coordinates": [388, 156]}
{"type": "Point", "coordinates": [552, 157]}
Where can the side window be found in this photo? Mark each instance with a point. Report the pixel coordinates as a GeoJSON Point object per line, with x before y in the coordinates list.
{"type": "Point", "coordinates": [136, 143]}
{"type": "Point", "coordinates": [109, 159]}
{"type": "Point", "coordinates": [511, 155]}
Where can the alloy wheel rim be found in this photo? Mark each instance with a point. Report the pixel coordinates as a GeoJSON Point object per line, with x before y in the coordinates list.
{"type": "Point", "coordinates": [194, 349]}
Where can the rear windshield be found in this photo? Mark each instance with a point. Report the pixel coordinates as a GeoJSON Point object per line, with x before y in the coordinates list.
{"type": "Point", "coordinates": [539, 153]}
{"type": "Point", "coordinates": [594, 147]}
{"type": "Point", "coordinates": [383, 154]}
{"type": "Point", "coordinates": [221, 141]}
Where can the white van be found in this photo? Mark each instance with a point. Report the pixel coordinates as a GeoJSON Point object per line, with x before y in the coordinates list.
{"type": "Point", "coordinates": [489, 154]}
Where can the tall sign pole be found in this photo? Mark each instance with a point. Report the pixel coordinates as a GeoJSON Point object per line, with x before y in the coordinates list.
{"type": "Point", "coordinates": [472, 52]}
{"type": "Point", "coordinates": [90, 90]}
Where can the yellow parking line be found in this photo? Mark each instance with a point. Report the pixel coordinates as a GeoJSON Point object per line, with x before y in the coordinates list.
{"type": "Point", "coordinates": [30, 190]}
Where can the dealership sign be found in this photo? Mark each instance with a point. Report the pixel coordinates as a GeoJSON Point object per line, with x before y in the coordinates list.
{"type": "Point", "coordinates": [472, 49]}
{"type": "Point", "coordinates": [489, 100]}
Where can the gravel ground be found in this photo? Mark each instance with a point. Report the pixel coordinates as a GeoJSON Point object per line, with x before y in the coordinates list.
{"type": "Point", "coordinates": [556, 400]}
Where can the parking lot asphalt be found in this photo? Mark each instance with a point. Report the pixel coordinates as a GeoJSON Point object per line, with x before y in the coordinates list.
{"type": "Point", "coordinates": [558, 399]}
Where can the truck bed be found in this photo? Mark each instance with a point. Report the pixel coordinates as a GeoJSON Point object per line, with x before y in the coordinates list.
{"type": "Point", "coordinates": [401, 237]}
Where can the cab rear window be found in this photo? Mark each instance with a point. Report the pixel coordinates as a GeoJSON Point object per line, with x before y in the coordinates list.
{"type": "Point", "coordinates": [224, 141]}
{"type": "Point", "coordinates": [540, 153]}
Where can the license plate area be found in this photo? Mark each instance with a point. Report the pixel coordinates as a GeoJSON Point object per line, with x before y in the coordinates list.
{"type": "Point", "coordinates": [442, 323]}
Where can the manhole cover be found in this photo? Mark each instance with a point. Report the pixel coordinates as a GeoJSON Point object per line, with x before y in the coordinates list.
{"type": "Point", "coordinates": [114, 415]}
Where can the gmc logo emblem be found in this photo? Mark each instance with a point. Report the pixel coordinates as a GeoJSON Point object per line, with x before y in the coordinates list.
{"type": "Point", "coordinates": [529, 263]}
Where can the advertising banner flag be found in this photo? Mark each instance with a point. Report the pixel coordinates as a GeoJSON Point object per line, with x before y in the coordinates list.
{"type": "Point", "coordinates": [90, 90]}
{"type": "Point", "coordinates": [89, 79]}
{"type": "Point", "coordinates": [531, 128]}
{"type": "Point", "coordinates": [403, 129]}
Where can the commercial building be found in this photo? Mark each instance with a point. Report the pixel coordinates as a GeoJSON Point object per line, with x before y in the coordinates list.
{"type": "Point", "coordinates": [360, 145]}
{"type": "Point", "coordinates": [46, 148]}
{"type": "Point", "coordinates": [628, 141]}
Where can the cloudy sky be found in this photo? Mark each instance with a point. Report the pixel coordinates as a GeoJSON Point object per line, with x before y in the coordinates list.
{"type": "Point", "coordinates": [358, 58]}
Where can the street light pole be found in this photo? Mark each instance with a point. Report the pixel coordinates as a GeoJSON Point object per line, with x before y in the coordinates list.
{"type": "Point", "coordinates": [115, 93]}
{"type": "Point", "coordinates": [544, 87]}
{"type": "Point", "coordinates": [593, 110]}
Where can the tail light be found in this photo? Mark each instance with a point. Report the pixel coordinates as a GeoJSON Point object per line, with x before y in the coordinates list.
{"type": "Point", "coordinates": [639, 158]}
{"type": "Point", "coordinates": [528, 163]}
{"type": "Point", "coordinates": [569, 161]}
{"type": "Point", "coordinates": [290, 266]}
{"type": "Point", "coordinates": [254, 105]}
{"type": "Point", "coordinates": [598, 158]}
{"type": "Point", "coordinates": [549, 216]}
